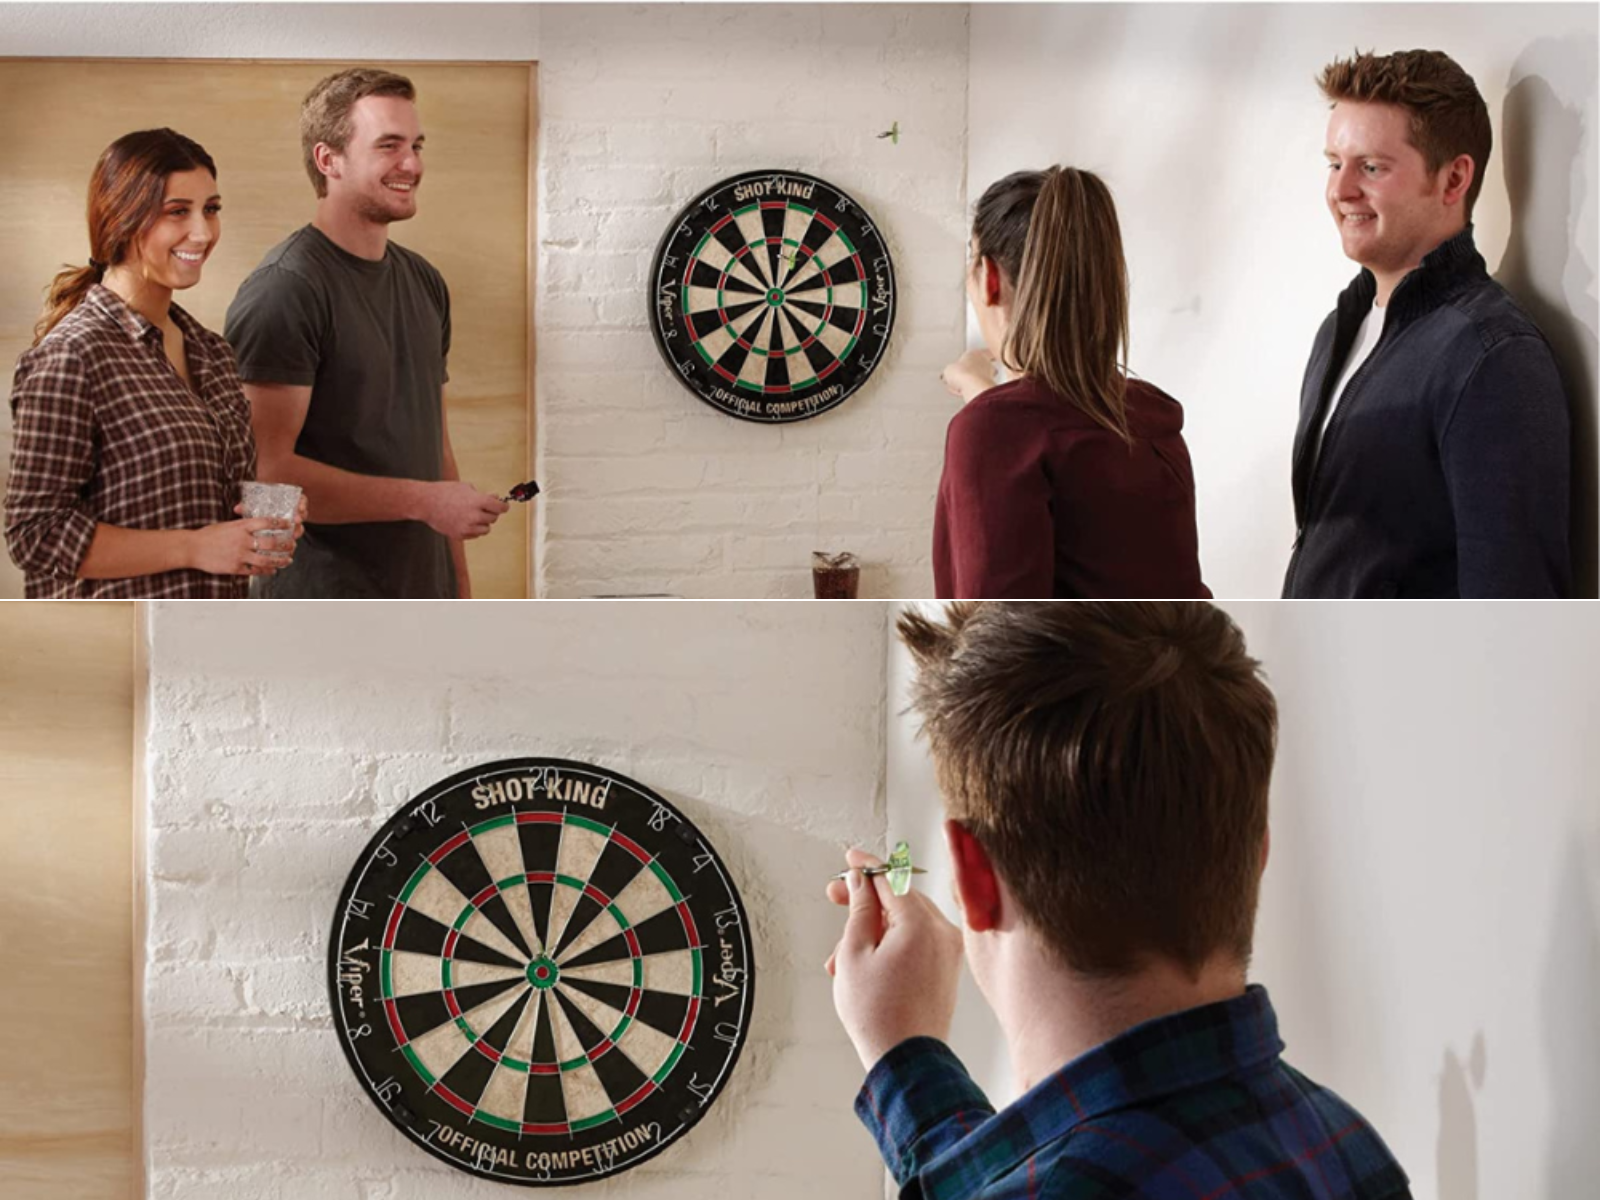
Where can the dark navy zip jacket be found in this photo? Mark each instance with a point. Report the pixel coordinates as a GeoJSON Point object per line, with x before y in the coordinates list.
{"type": "Point", "coordinates": [1444, 469]}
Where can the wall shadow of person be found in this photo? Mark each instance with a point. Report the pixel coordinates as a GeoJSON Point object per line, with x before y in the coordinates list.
{"type": "Point", "coordinates": [1570, 1025]}
{"type": "Point", "coordinates": [1457, 1153]}
{"type": "Point", "coordinates": [1550, 185]}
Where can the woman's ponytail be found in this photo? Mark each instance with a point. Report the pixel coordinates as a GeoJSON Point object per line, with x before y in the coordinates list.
{"type": "Point", "coordinates": [1069, 322]}
{"type": "Point", "coordinates": [67, 291]}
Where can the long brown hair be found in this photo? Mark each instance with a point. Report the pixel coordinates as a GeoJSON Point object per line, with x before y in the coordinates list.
{"type": "Point", "coordinates": [1054, 234]}
{"type": "Point", "coordinates": [125, 199]}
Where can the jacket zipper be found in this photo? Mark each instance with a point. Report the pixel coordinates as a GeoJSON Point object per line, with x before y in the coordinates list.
{"type": "Point", "coordinates": [1343, 401]}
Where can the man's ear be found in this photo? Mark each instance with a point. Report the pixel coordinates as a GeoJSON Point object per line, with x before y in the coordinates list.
{"type": "Point", "coordinates": [977, 886]}
{"type": "Point", "coordinates": [324, 156]}
{"type": "Point", "coordinates": [1458, 177]}
{"type": "Point", "coordinates": [991, 282]}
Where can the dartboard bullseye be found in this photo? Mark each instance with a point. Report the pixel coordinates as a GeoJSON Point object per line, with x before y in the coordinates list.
{"type": "Point", "coordinates": [541, 972]}
{"type": "Point", "coordinates": [772, 296]}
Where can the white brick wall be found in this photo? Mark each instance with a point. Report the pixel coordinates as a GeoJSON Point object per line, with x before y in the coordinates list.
{"type": "Point", "coordinates": [281, 737]}
{"type": "Point", "coordinates": [642, 108]}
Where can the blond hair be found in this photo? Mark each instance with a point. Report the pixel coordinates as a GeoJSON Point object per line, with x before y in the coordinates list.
{"type": "Point", "coordinates": [325, 112]}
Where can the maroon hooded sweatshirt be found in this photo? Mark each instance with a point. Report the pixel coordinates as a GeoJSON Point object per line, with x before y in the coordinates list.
{"type": "Point", "coordinates": [1038, 500]}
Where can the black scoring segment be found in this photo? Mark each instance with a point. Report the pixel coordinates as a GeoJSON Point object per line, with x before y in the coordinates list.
{"type": "Point", "coordinates": [421, 934]}
{"type": "Point", "coordinates": [466, 871]}
{"type": "Point", "coordinates": [613, 994]}
{"type": "Point", "coordinates": [771, 239]}
{"type": "Point", "coordinates": [657, 935]}
{"type": "Point", "coordinates": [618, 1075]}
{"type": "Point", "coordinates": [663, 1012]}
{"type": "Point", "coordinates": [451, 1030]}
{"type": "Point", "coordinates": [589, 1035]}
{"type": "Point", "coordinates": [469, 1076]}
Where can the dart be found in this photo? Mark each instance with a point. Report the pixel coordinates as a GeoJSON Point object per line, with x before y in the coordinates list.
{"type": "Point", "coordinates": [892, 133]}
{"type": "Point", "coordinates": [898, 869]}
{"type": "Point", "coordinates": [522, 492]}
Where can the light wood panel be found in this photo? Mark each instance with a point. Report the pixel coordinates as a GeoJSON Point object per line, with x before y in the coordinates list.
{"type": "Point", "coordinates": [67, 1104]}
{"type": "Point", "coordinates": [473, 224]}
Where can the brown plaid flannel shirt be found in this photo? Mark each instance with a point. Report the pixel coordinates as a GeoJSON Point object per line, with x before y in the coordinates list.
{"type": "Point", "coordinates": [106, 432]}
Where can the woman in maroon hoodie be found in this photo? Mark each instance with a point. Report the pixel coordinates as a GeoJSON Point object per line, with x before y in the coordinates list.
{"type": "Point", "coordinates": [1069, 479]}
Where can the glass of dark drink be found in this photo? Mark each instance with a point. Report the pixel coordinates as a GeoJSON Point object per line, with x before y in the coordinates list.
{"type": "Point", "coordinates": [835, 576]}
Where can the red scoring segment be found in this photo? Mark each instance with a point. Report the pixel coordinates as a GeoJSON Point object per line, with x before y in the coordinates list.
{"type": "Point", "coordinates": [635, 996]}
{"type": "Point", "coordinates": [827, 279]}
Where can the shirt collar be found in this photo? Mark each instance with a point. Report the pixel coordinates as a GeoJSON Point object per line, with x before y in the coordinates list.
{"type": "Point", "coordinates": [110, 305]}
{"type": "Point", "coordinates": [1157, 1058]}
{"type": "Point", "coordinates": [1441, 270]}
{"type": "Point", "coordinates": [134, 324]}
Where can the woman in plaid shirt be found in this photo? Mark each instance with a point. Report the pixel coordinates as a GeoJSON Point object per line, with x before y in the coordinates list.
{"type": "Point", "coordinates": [131, 432]}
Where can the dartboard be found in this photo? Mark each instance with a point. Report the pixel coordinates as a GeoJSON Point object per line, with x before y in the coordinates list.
{"type": "Point", "coordinates": [541, 972]}
{"type": "Point", "coordinates": [773, 296]}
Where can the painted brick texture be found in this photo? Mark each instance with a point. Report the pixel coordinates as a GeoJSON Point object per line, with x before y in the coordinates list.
{"type": "Point", "coordinates": [269, 770]}
{"type": "Point", "coordinates": [647, 489]}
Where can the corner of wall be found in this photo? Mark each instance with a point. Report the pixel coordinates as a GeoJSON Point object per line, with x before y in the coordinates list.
{"type": "Point", "coordinates": [142, 638]}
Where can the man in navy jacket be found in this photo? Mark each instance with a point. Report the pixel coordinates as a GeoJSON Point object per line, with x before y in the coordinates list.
{"type": "Point", "coordinates": [1432, 453]}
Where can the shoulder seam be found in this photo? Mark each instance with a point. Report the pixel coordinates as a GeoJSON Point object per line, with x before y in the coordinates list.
{"type": "Point", "coordinates": [1472, 375]}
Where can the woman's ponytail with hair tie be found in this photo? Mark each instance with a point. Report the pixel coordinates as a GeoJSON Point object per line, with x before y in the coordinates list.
{"type": "Point", "coordinates": [98, 267]}
{"type": "Point", "coordinates": [1069, 324]}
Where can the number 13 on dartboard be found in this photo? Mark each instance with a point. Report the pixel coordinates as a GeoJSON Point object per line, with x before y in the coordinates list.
{"type": "Point", "coordinates": [536, 976]}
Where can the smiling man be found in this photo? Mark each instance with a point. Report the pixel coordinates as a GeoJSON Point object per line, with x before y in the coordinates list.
{"type": "Point", "coordinates": [1432, 452]}
{"type": "Point", "coordinates": [342, 338]}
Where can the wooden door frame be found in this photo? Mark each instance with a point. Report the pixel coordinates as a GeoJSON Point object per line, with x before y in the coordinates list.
{"type": "Point", "coordinates": [530, 221]}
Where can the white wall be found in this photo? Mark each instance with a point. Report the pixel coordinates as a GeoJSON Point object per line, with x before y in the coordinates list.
{"type": "Point", "coordinates": [642, 107]}
{"type": "Point", "coordinates": [1206, 122]}
{"type": "Point", "coordinates": [1430, 918]}
{"type": "Point", "coordinates": [281, 737]}
{"type": "Point", "coordinates": [1434, 890]}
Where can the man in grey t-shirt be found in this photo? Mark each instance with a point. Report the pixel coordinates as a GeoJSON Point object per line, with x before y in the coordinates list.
{"type": "Point", "coordinates": [342, 339]}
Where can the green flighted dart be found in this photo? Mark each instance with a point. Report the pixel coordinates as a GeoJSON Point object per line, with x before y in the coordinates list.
{"type": "Point", "coordinates": [899, 870]}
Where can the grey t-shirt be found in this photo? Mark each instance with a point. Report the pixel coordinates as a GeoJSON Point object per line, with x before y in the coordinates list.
{"type": "Point", "coordinates": [370, 339]}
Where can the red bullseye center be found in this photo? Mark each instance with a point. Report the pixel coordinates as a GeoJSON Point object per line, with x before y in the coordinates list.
{"type": "Point", "coordinates": [543, 972]}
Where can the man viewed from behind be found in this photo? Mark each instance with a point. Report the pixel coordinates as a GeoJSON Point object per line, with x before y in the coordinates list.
{"type": "Point", "coordinates": [1432, 453]}
{"type": "Point", "coordinates": [342, 339]}
{"type": "Point", "coordinates": [1104, 768]}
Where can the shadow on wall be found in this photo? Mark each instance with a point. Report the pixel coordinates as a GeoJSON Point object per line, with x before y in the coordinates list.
{"type": "Point", "coordinates": [1457, 1159]}
{"type": "Point", "coordinates": [1543, 137]}
{"type": "Point", "coordinates": [1571, 1159]}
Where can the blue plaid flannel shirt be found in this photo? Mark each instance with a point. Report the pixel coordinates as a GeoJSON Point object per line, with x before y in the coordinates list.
{"type": "Point", "coordinates": [1192, 1106]}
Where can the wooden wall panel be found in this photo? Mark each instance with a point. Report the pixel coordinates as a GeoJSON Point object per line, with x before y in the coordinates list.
{"type": "Point", "coordinates": [473, 224]}
{"type": "Point", "coordinates": [67, 1091]}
